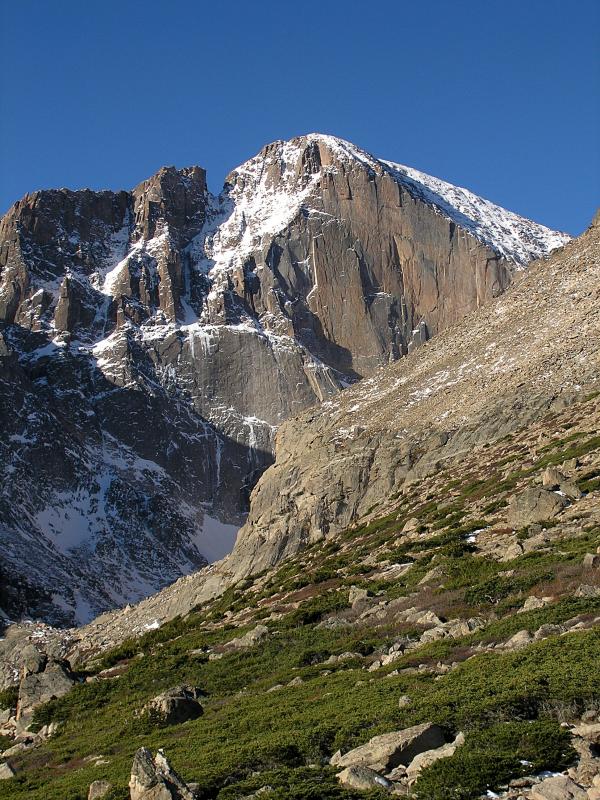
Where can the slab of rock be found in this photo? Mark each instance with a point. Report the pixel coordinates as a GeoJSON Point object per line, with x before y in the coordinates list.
{"type": "Point", "coordinates": [99, 789]}
{"type": "Point", "coordinates": [175, 706]}
{"type": "Point", "coordinates": [534, 505]}
{"type": "Point", "coordinates": [392, 749]}
{"type": "Point", "coordinates": [155, 779]}
{"type": "Point", "coordinates": [363, 779]}
{"type": "Point", "coordinates": [558, 788]}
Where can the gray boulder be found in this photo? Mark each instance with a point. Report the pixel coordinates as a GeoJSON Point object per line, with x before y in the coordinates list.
{"type": "Point", "coordinates": [363, 779]}
{"type": "Point", "coordinates": [534, 505]}
{"type": "Point", "coordinates": [175, 706]}
{"type": "Point", "coordinates": [99, 789]}
{"type": "Point", "coordinates": [392, 749]}
{"type": "Point", "coordinates": [155, 779]}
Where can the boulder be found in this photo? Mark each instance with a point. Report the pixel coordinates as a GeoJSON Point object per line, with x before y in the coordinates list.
{"type": "Point", "coordinates": [423, 760]}
{"type": "Point", "coordinates": [249, 639]}
{"type": "Point", "coordinates": [37, 688]}
{"type": "Point", "coordinates": [6, 772]}
{"type": "Point", "coordinates": [99, 789]}
{"type": "Point", "coordinates": [363, 779]}
{"type": "Point", "coordinates": [591, 561]}
{"type": "Point", "coordinates": [558, 788]}
{"type": "Point", "coordinates": [548, 630]}
{"type": "Point", "coordinates": [552, 478]}
{"type": "Point", "coordinates": [155, 779]}
{"type": "Point", "coordinates": [519, 640]}
{"type": "Point", "coordinates": [585, 590]}
{"type": "Point", "coordinates": [175, 706]}
{"type": "Point", "coordinates": [571, 490]}
{"type": "Point", "coordinates": [534, 505]}
{"type": "Point", "coordinates": [532, 603]}
{"type": "Point", "coordinates": [392, 749]}
{"type": "Point", "coordinates": [357, 596]}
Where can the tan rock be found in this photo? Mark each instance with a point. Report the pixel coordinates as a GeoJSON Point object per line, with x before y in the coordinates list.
{"type": "Point", "coordinates": [392, 749]}
{"type": "Point", "coordinates": [552, 478]}
{"type": "Point", "coordinates": [429, 757]}
{"type": "Point", "coordinates": [558, 788]}
{"type": "Point", "coordinates": [519, 640]}
{"type": "Point", "coordinates": [155, 779]}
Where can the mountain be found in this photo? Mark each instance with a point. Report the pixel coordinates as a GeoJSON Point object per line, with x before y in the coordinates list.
{"type": "Point", "coordinates": [153, 341]}
{"type": "Point", "coordinates": [412, 608]}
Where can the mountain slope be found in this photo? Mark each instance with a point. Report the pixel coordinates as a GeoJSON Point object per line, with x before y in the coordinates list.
{"type": "Point", "coordinates": [498, 376]}
{"type": "Point", "coordinates": [157, 338]}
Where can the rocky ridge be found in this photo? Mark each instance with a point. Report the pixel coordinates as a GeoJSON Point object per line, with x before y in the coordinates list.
{"type": "Point", "coordinates": [154, 340]}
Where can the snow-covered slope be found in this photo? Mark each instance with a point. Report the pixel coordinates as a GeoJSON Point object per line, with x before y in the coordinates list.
{"type": "Point", "coordinates": [255, 208]}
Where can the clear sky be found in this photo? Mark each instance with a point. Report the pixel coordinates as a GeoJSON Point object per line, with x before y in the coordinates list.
{"type": "Point", "coordinates": [499, 96]}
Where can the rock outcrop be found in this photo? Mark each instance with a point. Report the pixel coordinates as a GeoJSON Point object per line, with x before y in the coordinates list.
{"type": "Point", "coordinates": [174, 706]}
{"type": "Point", "coordinates": [154, 340]}
{"type": "Point", "coordinates": [44, 681]}
{"type": "Point", "coordinates": [155, 779]}
{"type": "Point", "coordinates": [384, 753]}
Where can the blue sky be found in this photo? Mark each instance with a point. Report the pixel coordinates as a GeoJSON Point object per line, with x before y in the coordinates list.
{"type": "Point", "coordinates": [499, 96]}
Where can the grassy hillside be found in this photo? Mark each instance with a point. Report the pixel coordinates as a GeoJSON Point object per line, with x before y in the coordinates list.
{"type": "Point", "coordinates": [275, 712]}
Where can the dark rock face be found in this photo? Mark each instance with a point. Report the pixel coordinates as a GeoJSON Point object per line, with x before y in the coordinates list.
{"type": "Point", "coordinates": [152, 342]}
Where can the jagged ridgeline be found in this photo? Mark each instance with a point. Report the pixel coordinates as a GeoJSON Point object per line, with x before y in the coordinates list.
{"type": "Point", "coordinates": [154, 340]}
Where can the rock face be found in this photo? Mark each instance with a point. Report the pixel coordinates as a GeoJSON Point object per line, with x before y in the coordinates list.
{"type": "Point", "coordinates": [335, 463]}
{"type": "Point", "coordinates": [152, 342]}
{"type": "Point", "coordinates": [155, 779]}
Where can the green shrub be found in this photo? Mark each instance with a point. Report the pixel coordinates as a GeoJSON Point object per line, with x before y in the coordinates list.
{"type": "Point", "coordinates": [492, 756]}
{"type": "Point", "coordinates": [9, 697]}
